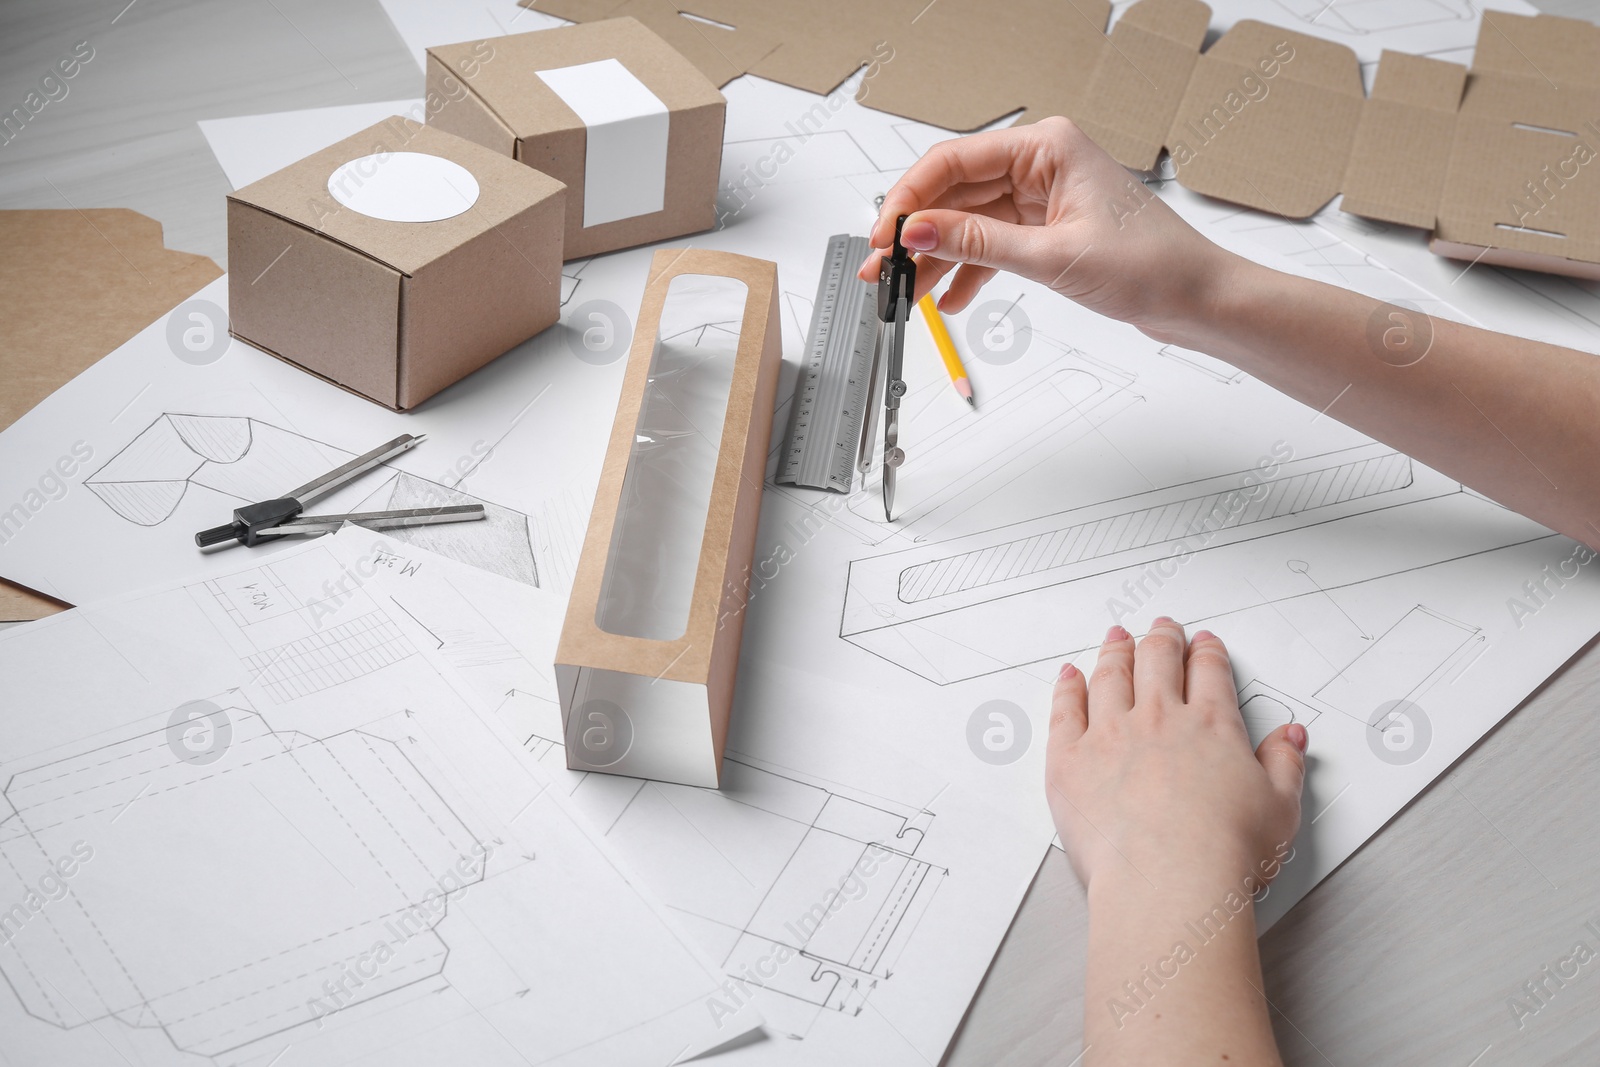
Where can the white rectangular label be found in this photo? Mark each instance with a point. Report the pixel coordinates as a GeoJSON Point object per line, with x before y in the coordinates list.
{"type": "Point", "coordinates": [625, 165]}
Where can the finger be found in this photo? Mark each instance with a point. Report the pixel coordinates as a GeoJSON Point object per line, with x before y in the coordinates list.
{"type": "Point", "coordinates": [1158, 664]}
{"type": "Point", "coordinates": [929, 273]}
{"type": "Point", "coordinates": [1069, 706]}
{"type": "Point", "coordinates": [1111, 685]}
{"type": "Point", "coordinates": [869, 266]}
{"type": "Point", "coordinates": [1208, 672]}
{"type": "Point", "coordinates": [982, 239]}
{"type": "Point", "coordinates": [1001, 208]}
{"type": "Point", "coordinates": [968, 280]}
{"type": "Point", "coordinates": [1283, 756]}
{"type": "Point", "coordinates": [969, 195]}
{"type": "Point", "coordinates": [982, 157]}
{"type": "Point", "coordinates": [929, 269]}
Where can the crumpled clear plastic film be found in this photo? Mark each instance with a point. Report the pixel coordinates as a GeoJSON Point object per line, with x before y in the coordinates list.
{"type": "Point", "coordinates": [648, 584]}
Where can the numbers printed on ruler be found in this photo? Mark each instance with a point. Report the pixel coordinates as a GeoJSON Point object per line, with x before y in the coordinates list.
{"type": "Point", "coordinates": [830, 403]}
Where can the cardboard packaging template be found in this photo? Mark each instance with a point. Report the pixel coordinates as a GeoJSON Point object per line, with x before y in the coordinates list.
{"type": "Point", "coordinates": [395, 310]}
{"type": "Point", "coordinates": [609, 108]}
{"type": "Point", "coordinates": [1493, 160]}
{"type": "Point", "coordinates": [658, 707]}
{"type": "Point", "coordinates": [1516, 181]}
{"type": "Point", "coordinates": [1497, 162]}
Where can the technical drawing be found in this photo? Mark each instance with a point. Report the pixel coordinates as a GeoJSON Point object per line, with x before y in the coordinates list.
{"type": "Point", "coordinates": [1403, 663]}
{"type": "Point", "coordinates": [752, 164]}
{"type": "Point", "coordinates": [769, 851]}
{"type": "Point", "coordinates": [1574, 300]}
{"type": "Point", "coordinates": [959, 609]}
{"type": "Point", "coordinates": [338, 654]}
{"type": "Point", "coordinates": [1378, 16]}
{"type": "Point", "coordinates": [1202, 364]}
{"type": "Point", "coordinates": [344, 827]}
{"type": "Point", "coordinates": [756, 856]}
{"type": "Point", "coordinates": [818, 140]}
{"type": "Point", "coordinates": [238, 457]}
{"type": "Point", "coordinates": [1328, 256]}
{"type": "Point", "coordinates": [1205, 509]}
{"type": "Point", "coordinates": [299, 635]}
{"type": "Point", "coordinates": [1050, 408]}
{"type": "Point", "coordinates": [571, 278]}
{"type": "Point", "coordinates": [797, 309]}
{"type": "Point", "coordinates": [1264, 709]}
{"type": "Point", "coordinates": [247, 459]}
{"type": "Point", "coordinates": [560, 524]}
{"type": "Point", "coordinates": [499, 543]}
{"type": "Point", "coordinates": [842, 955]}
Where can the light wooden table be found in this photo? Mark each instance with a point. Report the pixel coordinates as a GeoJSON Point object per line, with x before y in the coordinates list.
{"type": "Point", "coordinates": [1406, 955]}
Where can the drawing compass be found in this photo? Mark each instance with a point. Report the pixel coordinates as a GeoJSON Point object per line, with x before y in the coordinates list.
{"type": "Point", "coordinates": [897, 281]}
{"type": "Point", "coordinates": [255, 523]}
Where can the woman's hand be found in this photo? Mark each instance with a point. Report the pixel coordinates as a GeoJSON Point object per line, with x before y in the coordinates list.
{"type": "Point", "coordinates": [1173, 824]}
{"type": "Point", "coordinates": [1150, 774]}
{"type": "Point", "coordinates": [1045, 202]}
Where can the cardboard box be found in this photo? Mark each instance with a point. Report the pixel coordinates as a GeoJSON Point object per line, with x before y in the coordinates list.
{"type": "Point", "coordinates": [609, 108]}
{"type": "Point", "coordinates": [1497, 162]}
{"type": "Point", "coordinates": [650, 646]}
{"type": "Point", "coordinates": [395, 262]}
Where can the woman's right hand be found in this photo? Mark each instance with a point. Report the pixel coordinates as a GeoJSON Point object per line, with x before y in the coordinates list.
{"type": "Point", "coordinates": [1045, 202]}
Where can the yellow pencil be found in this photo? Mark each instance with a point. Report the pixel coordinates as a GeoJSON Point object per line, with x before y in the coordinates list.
{"type": "Point", "coordinates": [947, 348]}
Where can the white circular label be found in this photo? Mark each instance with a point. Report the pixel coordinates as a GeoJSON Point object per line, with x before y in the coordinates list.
{"type": "Point", "coordinates": [404, 187]}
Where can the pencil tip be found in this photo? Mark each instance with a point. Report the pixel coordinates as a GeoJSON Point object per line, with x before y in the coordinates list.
{"type": "Point", "coordinates": [971, 403]}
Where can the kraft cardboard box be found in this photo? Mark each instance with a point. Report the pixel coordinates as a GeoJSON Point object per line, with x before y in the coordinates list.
{"type": "Point", "coordinates": [1494, 162]}
{"type": "Point", "coordinates": [395, 262]}
{"type": "Point", "coordinates": [631, 127]}
{"type": "Point", "coordinates": [649, 649]}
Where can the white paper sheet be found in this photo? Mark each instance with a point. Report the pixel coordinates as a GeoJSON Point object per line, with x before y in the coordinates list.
{"type": "Point", "coordinates": [858, 919]}
{"type": "Point", "coordinates": [278, 824]}
{"type": "Point", "coordinates": [425, 23]}
{"type": "Point", "coordinates": [846, 690]}
{"type": "Point", "coordinates": [1545, 307]}
{"type": "Point", "coordinates": [250, 147]}
{"type": "Point", "coordinates": [874, 697]}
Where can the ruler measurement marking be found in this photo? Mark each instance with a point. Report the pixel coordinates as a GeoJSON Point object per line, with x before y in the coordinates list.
{"type": "Point", "coordinates": [830, 402]}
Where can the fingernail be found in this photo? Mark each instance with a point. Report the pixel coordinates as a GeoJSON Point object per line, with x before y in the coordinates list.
{"type": "Point", "coordinates": [1297, 736]}
{"type": "Point", "coordinates": [1067, 671]}
{"type": "Point", "coordinates": [1202, 635]}
{"type": "Point", "coordinates": [1117, 633]}
{"type": "Point", "coordinates": [920, 236]}
{"type": "Point", "coordinates": [1163, 620]}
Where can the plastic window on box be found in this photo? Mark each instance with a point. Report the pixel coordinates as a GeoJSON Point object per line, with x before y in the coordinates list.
{"type": "Point", "coordinates": [648, 583]}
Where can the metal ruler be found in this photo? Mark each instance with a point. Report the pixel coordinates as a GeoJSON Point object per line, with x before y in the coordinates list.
{"type": "Point", "coordinates": [835, 390]}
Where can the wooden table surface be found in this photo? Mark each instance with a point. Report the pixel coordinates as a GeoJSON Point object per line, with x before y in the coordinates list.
{"type": "Point", "coordinates": [1408, 954]}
